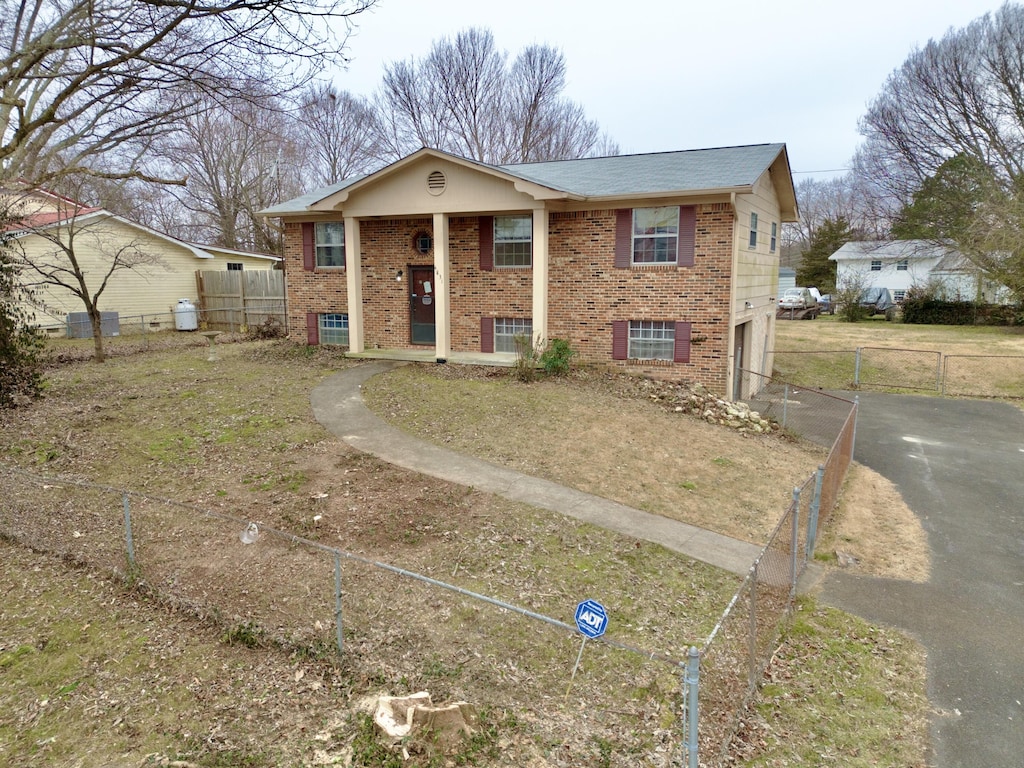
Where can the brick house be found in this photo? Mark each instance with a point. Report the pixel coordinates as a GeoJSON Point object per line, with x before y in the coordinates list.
{"type": "Point", "coordinates": [662, 263]}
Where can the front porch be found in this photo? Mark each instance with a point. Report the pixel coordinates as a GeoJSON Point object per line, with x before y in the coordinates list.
{"type": "Point", "coordinates": [429, 355]}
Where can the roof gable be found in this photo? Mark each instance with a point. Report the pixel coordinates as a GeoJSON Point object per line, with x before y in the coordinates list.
{"type": "Point", "coordinates": [664, 174]}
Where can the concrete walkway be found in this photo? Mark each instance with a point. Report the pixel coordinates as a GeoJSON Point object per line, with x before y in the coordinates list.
{"type": "Point", "coordinates": [338, 405]}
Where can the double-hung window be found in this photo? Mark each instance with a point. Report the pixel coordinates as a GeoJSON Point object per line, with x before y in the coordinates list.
{"type": "Point", "coordinates": [876, 265]}
{"type": "Point", "coordinates": [775, 236]}
{"type": "Point", "coordinates": [656, 235]}
{"type": "Point", "coordinates": [513, 241]}
{"type": "Point", "coordinates": [330, 244]}
{"type": "Point", "coordinates": [753, 230]}
{"type": "Point", "coordinates": [334, 328]}
{"type": "Point", "coordinates": [902, 265]}
{"type": "Point", "coordinates": [507, 328]}
{"type": "Point", "coordinates": [651, 340]}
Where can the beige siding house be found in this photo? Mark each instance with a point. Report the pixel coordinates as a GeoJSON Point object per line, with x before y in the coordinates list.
{"type": "Point", "coordinates": [156, 270]}
{"type": "Point", "coordinates": [665, 264]}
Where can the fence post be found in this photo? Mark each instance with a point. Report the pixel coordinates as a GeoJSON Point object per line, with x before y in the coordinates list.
{"type": "Point", "coordinates": [691, 678]}
{"type": "Point", "coordinates": [795, 545]}
{"type": "Point", "coordinates": [129, 544]}
{"type": "Point", "coordinates": [337, 602]}
{"type": "Point", "coordinates": [856, 410]}
{"type": "Point", "coordinates": [752, 639]}
{"type": "Point", "coordinates": [785, 403]}
{"type": "Point", "coordinates": [856, 368]}
{"type": "Point", "coordinates": [938, 373]}
{"type": "Point", "coordinates": [812, 521]}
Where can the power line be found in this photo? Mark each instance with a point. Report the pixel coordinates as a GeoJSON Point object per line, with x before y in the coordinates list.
{"type": "Point", "coordinates": [825, 170]}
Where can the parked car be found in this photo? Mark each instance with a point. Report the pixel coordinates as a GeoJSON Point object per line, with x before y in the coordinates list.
{"type": "Point", "coordinates": [878, 301]}
{"type": "Point", "coordinates": [824, 300]}
{"type": "Point", "coordinates": [796, 298]}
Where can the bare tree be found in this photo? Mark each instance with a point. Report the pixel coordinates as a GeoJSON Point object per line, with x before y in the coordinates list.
{"type": "Point", "coordinates": [86, 84]}
{"type": "Point", "coordinates": [464, 97]}
{"type": "Point", "coordinates": [341, 137]}
{"type": "Point", "coordinates": [957, 105]}
{"type": "Point", "coordinates": [237, 159]}
{"type": "Point", "coordinates": [958, 95]}
{"type": "Point", "coordinates": [71, 233]}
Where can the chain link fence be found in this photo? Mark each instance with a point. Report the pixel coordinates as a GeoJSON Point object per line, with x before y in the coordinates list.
{"type": "Point", "coordinates": [308, 598]}
{"type": "Point", "coordinates": [264, 587]}
{"type": "Point", "coordinates": [983, 375]}
{"type": "Point", "coordinates": [156, 331]}
{"type": "Point", "coordinates": [735, 655]}
{"type": "Point", "coordinates": [996, 376]}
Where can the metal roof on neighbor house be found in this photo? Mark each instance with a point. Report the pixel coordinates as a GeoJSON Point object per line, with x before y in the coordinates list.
{"type": "Point", "coordinates": [696, 170]}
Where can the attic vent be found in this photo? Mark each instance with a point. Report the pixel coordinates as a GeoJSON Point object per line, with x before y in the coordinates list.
{"type": "Point", "coordinates": [436, 182]}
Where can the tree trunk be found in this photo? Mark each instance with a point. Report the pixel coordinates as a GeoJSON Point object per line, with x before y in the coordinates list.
{"type": "Point", "coordinates": [95, 321]}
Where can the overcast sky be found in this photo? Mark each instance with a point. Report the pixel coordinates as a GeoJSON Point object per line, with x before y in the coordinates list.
{"type": "Point", "coordinates": [675, 74]}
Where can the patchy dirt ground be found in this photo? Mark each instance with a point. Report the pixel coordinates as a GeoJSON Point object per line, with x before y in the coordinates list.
{"type": "Point", "coordinates": [232, 442]}
{"type": "Point", "coordinates": [875, 532]}
{"type": "Point", "coordinates": [583, 432]}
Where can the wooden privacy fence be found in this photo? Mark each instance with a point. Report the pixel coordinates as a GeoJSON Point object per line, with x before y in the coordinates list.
{"type": "Point", "coordinates": [236, 300]}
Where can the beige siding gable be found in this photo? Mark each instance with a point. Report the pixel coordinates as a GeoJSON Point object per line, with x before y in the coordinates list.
{"type": "Point", "coordinates": [756, 280]}
{"type": "Point", "coordinates": [464, 189]}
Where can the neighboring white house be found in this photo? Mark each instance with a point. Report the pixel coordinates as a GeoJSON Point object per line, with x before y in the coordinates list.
{"type": "Point", "coordinates": [158, 269]}
{"type": "Point", "coordinates": [900, 265]}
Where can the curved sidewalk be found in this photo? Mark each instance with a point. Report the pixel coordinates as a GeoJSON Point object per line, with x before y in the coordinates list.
{"type": "Point", "coordinates": [338, 405]}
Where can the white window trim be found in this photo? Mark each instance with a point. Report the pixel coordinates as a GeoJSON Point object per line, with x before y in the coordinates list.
{"type": "Point", "coordinates": [636, 334]}
{"type": "Point", "coordinates": [521, 326]}
{"type": "Point", "coordinates": [654, 236]}
{"type": "Point", "coordinates": [752, 241]}
{"type": "Point", "coordinates": [775, 237]}
{"type": "Point", "coordinates": [319, 246]}
{"type": "Point", "coordinates": [513, 240]}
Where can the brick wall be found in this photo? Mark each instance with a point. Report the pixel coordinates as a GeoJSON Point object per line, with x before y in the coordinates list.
{"type": "Point", "coordinates": [586, 291]}
{"type": "Point", "coordinates": [501, 292]}
{"type": "Point", "coordinates": [321, 291]}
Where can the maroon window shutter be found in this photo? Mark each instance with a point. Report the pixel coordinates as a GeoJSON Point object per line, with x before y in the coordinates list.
{"type": "Point", "coordinates": [687, 235]}
{"type": "Point", "coordinates": [682, 349]}
{"type": "Point", "coordinates": [312, 328]}
{"type": "Point", "coordinates": [620, 339]}
{"type": "Point", "coordinates": [486, 243]}
{"type": "Point", "coordinates": [486, 334]}
{"type": "Point", "coordinates": [623, 239]}
{"type": "Point", "coordinates": [308, 246]}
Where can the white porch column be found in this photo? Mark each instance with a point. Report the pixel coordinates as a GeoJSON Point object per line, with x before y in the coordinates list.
{"type": "Point", "coordinates": [354, 284]}
{"type": "Point", "coordinates": [540, 277]}
{"type": "Point", "coordinates": [442, 294]}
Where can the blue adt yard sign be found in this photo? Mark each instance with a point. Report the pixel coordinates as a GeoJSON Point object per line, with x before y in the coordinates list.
{"type": "Point", "coordinates": [591, 618]}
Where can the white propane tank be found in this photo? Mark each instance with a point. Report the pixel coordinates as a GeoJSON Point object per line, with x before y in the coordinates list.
{"type": "Point", "coordinates": [186, 316]}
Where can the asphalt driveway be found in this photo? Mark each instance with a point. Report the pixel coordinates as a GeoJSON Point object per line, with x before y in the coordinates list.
{"type": "Point", "coordinates": [960, 467]}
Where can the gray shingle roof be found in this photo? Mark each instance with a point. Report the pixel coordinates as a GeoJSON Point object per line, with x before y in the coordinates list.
{"type": "Point", "coordinates": [625, 175]}
{"type": "Point", "coordinates": [692, 170]}
{"type": "Point", "coordinates": [302, 202]}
